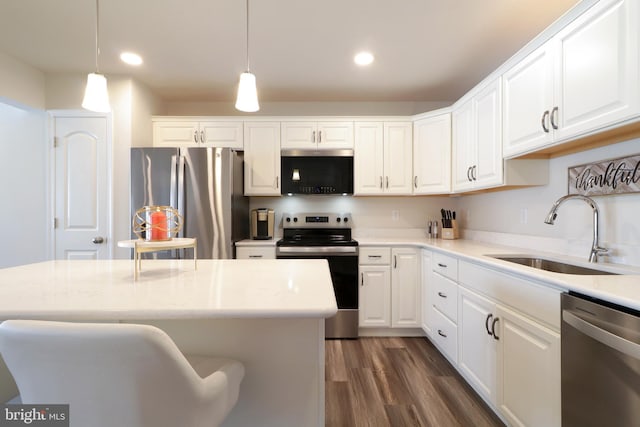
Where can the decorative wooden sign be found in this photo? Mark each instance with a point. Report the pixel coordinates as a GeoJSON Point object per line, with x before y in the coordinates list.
{"type": "Point", "coordinates": [608, 177]}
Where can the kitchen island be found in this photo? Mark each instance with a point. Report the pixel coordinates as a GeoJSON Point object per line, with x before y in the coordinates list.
{"type": "Point", "coordinates": [267, 314]}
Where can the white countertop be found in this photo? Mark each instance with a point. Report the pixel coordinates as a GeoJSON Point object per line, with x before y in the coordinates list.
{"type": "Point", "coordinates": [621, 289]}
{"type": "Point", "coordinates": [167, 289]}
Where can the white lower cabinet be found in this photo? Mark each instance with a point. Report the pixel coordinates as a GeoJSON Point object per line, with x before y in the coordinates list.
{"type": "Point", "coordinates": [426, 284]}
{"type": "Point", "coordinates": [256, 252]}
{"type": "Point", "coordinates": [375, 296]}
{"type": "Point", "coordinates": [507, 349]}
{"type": "Point", "coordinates": [389, 292]}
{"type": "Point", "coordinates": [477, 346]}
{"type": "Point", "coordinates": [528, 371]}
{"type": "Point", "coordinates": [405, 288]}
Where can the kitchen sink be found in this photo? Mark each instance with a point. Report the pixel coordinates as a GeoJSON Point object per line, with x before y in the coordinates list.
{"type": "Point", "coordinates": [549, 265]}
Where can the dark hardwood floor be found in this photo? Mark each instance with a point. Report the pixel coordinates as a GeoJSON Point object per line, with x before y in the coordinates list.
{"type": "Point", "coordinates": [397, 382]}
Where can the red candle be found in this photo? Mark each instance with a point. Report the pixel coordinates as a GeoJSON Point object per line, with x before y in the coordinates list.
{"type": "Point", "coordinates": [158, 225]}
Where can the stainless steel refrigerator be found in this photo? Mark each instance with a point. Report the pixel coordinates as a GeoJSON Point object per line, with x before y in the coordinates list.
{"type": "Point", "coordinates": [204, 184]}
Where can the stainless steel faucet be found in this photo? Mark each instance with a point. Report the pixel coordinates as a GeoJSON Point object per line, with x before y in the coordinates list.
{"type": "Point", "coordinates": [595, 247]}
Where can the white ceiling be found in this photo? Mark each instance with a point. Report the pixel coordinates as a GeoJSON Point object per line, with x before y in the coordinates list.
{"type": "Point", "coordinates": [301, 50]}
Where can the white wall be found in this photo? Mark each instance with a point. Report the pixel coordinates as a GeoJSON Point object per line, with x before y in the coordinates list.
{"type": "Point", "coordinates": [144, 105]}
{"type": "Point", "coordinates": [23, 151]}
{"type": "Point", "coordinates": [305, 108]}
{"type": "Point", "coordinates": [21, 84]}
{"type": "Point", "coordinates": [369, 213]}
{"type": "Point", "coordinates": [522, 212]}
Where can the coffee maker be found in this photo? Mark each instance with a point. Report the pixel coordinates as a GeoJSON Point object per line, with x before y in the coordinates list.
{"type": "Point", "coordinates": [262, 221]}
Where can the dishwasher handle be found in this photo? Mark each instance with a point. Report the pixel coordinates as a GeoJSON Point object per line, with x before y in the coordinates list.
{"type": "Point", "coordinates": [605, 337]}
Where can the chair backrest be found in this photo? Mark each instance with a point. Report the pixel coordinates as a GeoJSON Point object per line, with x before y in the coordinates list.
{"type": "Point", "coordinates": [109, 374]}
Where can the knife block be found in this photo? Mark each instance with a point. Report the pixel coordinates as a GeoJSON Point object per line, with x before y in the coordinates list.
{"type": "Point", "coordinates": [451, 233]}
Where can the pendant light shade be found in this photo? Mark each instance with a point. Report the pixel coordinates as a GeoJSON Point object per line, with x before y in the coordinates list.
{"type": "Point", "coordinates": [247, 99]}
{"type": "Point", "coordinates": [96, 95]}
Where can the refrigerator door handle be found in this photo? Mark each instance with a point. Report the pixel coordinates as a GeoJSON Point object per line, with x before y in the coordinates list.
{"type": "Point", "coordinates": [181, 201]}
{"type": "Point", "coordinates": [173, 192]}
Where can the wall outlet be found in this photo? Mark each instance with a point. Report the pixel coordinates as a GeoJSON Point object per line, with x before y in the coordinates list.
{"type": "Point", "coordinates": [395, 215]}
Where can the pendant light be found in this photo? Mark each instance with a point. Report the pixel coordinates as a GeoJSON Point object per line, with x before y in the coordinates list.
{"type": "Point", "coordinates": [96, 96]}
{"type": "Point", "coordinates": [247, 100]}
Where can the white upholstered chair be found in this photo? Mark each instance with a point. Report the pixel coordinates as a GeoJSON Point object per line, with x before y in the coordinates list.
{"type": "Point", "coordinates": [117, 374]}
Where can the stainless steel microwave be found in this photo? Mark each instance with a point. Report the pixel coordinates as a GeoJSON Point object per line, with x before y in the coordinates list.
{"type": "Point", "coordinates": [317, 172]}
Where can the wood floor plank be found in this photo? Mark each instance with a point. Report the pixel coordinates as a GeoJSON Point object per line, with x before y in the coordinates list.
{"type": "Point", "coordinates": [398, 382]}
{"type": "Point", "coordinates": [464, 403]}
{"type": "Point", "coordinates": [335, 367]}
{"type": "Point", "coordinates": [338, 404]}
{"type": "Point", "coordinates": [368, 407]}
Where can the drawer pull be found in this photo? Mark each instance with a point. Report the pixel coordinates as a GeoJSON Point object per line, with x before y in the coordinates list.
{"type": "Point", "coordinates": [441, 295]}
{"type": "Point", "coordinates": [493, 328]}
{"type": "Point", "coordinates": [375, 256]}
{"type": "Point", "coordinates": [442, 334]}
{"type": "Point", "coordinates": [361, 279]}
{"type": "Point", "coordinates": [442, 265]}
{"type": "Point", "coordinates": [486, 323]}
{"type": "Point", "coordinates": [255, 256]}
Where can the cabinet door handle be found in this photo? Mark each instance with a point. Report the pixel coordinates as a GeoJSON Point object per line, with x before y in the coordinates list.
{"type": "Point", "coordinates": [493, 328]}
{"type": "Point", "coordinates": [441, 295]}
{"type": "Point", "coordinates": [313, 136]}
{"type": "Point", "coordinates": [319, 136]}
{"type": "Point", "coordinates": [387, 180]}
{"type": "Point", "coordinates": [381, 183]}
{"type": "Point", "coordinates": [486, 323]}
{"type": "Point", "coordinates": [415, 181]}
{"type": "Point", "coordinates": [202, 139]}
{"type": "Point", "coordinates": [469, 178]}
{"type": "Point", "coordinates": [473, 172]}
{"type": "Point", "coordinates": [255, 256]}
{"type": "Point", "coordinates": [395, 261]}
{"type": "Point", "coordinates": [277, 182]}
{"type": "Point", "coordinates": [554, 116]}
{"type": "Point", "coordinates": [361, 279]}
{"type": "Point", "coordinates": [442, 265]}
{"type": "Point", "coordinates": [545, 118]}
{"type": "Point", "coordinates": [442, 334]}
{"type": "Point", "coordinates": [195, 136]}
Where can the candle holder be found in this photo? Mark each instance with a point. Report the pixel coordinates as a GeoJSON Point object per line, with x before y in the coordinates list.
{"type": "Point", "coordinates": [157, 223]}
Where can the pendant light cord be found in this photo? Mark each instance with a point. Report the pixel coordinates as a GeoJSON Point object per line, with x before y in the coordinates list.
{"type": "Point", "coordinates": [97, 33]}
{"type": "Point", "coordinates": [247, 35]}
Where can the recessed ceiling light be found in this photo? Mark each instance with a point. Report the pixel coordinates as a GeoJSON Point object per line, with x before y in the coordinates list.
{"type": "Point", "coordinates": [131, 58]}
{"type": "Point", "coordinates": [363, 58]}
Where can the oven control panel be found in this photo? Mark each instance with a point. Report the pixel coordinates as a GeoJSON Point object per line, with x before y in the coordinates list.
{"type": "Point", "coordinates": [316, 220]}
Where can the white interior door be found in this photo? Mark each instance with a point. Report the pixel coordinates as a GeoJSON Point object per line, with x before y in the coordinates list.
{"type": "Point", "coordinates": [81, 187]}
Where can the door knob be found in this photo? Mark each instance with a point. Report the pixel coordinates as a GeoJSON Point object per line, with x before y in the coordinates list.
{"type": "Point", "coordinates": [97, 240]}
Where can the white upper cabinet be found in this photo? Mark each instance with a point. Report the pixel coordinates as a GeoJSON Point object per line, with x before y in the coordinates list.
{"type": "Point", "coordinates": [528, 95]}
{"type": "Point", "coordinates": [382, 158]}
{"type": "Point", "coordinates": [262, 158]}
{"type": "Point", "coordinates": [332, 135]}
{"type": "Point", "coordinates": [597, 68]}
{"type": "Point", "coordinates": [463, 148]}
{"type": "Point", "coordinates": [432, 155]}
{"type": "Point", "coordinates": [477, 140]}
{"type": "Point", "coordinates": [585, 78]}
{"type": "Point", "coordinates": [190, 133]}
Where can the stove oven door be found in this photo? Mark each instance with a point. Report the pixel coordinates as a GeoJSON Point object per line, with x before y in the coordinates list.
{"type": "Point", "coordinates": [344, 274]}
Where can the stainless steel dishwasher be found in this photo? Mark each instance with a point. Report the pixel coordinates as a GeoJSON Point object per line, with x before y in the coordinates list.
{"type": "Point", "coordinates": [600, 363]}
